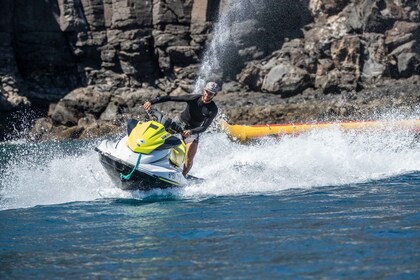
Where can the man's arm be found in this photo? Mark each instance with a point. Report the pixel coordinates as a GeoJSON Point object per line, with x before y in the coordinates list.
{"type": "Point", "coordinates": [182, 98]}
{"type": "Point", "coordinates": [205, 124]}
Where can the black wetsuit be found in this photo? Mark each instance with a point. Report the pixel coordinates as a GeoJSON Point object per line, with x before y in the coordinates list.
{"type": "Point", "coordinates": [197, 116]}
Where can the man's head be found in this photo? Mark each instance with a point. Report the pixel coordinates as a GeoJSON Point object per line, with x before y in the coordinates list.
{"type": "Point", "coordinates": [210, 90]}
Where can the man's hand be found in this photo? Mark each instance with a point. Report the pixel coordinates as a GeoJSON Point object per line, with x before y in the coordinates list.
{"type": "Point", "coordinates": [186, 133]}
{"type": "Point", "coordinates": [147, 106]}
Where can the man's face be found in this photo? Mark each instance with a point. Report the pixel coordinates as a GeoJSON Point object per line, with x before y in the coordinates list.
{"type": "Point", "coordinates": [208, 96]}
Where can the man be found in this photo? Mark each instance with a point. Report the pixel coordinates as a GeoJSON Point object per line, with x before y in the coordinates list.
{"type": "Point", "coordinates": [195, 119]}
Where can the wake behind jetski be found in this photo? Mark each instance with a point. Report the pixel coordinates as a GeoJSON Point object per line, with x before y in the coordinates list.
{"type": "Point", "coordinates": [150, 156]}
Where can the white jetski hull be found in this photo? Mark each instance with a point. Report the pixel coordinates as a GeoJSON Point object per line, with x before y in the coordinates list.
{"type": "Point", "coordinates": [153, 171]}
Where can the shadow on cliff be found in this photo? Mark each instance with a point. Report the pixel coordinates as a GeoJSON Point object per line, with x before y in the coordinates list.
{"type": "Point", "coordinates": [43, 56]}
{"type": "Point", "coordinates": [38, 63]}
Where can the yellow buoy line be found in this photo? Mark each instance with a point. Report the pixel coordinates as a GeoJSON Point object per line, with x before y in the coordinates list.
{"type": "Point", "coordinates": [248, 132]}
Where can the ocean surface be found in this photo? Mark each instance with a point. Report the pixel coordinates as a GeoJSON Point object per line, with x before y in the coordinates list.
{"type": "Point", "coordinates": [326, 204]}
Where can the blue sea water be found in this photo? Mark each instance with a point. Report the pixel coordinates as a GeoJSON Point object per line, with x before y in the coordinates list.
{"type": "Point", "coordinates": [320, 205]}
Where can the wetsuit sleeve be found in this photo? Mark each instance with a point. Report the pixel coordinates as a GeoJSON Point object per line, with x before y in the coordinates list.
{"type": "Point", "coordinates": [205, 124]}
{"type": "Point", "coordinates": [182, 98]}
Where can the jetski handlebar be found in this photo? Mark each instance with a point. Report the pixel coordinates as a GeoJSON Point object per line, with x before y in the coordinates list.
{"type": "Point", "coordinates": [171, 126]}
{"type": "Point", "coordinates": [155, 115]}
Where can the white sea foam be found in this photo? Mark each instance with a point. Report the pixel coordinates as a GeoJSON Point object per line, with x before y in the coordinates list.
{"type": "Point", "coordinates": [319, 158]}
{"type": "Point", "coordinates": [46, 174]}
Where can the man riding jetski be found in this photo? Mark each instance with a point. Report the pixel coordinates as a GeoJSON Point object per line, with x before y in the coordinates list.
{"type": "Point", "coordinates": [195, 119]}
{"type": "Point", "coordinates": [151, 155]}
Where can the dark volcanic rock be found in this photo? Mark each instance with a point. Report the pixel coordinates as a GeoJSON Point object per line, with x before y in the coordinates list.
{"type": "Point", "coordinates": [285, 79]}
{"type": "Point", "coordinates": [79, 103]}
{"type": "Point", "coordinates": [347, 47]}
{"type": "Point", "coordinates": [374, 60]}
{"type": "Point", "coordinates": [329, 7]}
{"type": "Point", "coordinates": [402, 99]}
{"type": "Point", "coordinates": [102, 59]}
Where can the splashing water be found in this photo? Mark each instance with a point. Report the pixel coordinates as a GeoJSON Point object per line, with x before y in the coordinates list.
{"type": "Point", "coordinates": [217, 50]}
{"type": "Point", "coordinates": [48, 173]}
{"type": "Point", "coordinates": [247, 30]}
{"type": "Point", "coordinates": [51, 173]}
{"type": "Point", "coordinates": [319, 158]}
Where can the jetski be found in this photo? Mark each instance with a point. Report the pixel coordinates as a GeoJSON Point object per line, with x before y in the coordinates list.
{"type": "Point", "coordinates": [151, 155]}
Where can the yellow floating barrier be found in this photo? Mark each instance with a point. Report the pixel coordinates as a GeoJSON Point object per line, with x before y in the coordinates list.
{"type": "Point", "coordinates": [248, 132]}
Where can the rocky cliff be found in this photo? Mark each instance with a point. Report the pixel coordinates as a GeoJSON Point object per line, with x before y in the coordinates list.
{"type": "Point", "coordinates": [88, 63]}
